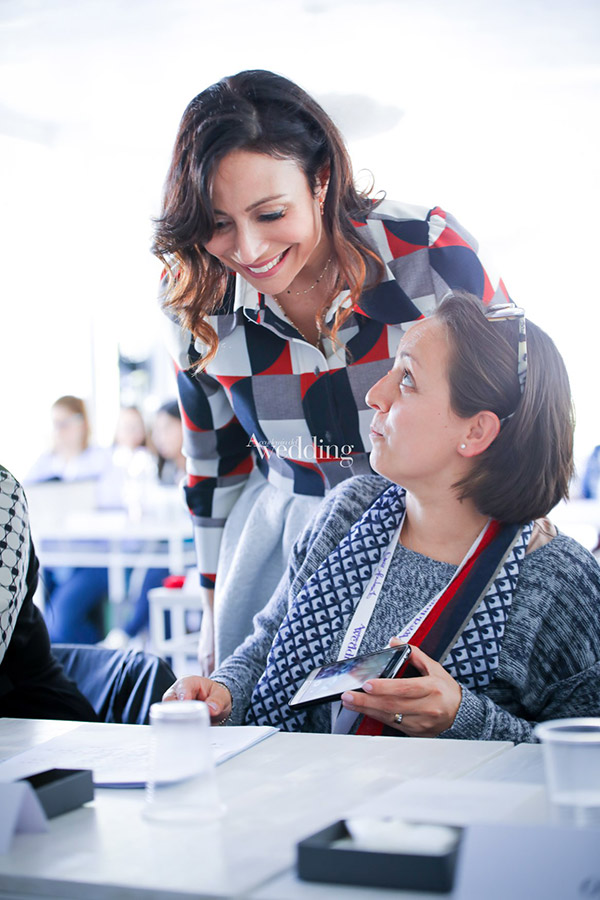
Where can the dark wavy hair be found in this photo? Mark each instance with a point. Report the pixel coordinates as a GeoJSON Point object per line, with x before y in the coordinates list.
{"type": "Point", "coordinates": [265, 113]}
{"type": "Point", "coordinates": [526, 470]}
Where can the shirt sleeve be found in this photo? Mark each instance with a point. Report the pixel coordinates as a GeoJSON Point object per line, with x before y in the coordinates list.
{"type": "Point", "coordinates": [219, 461]}
{"type": "Point", "coordinates": [427, 254]}
{"type": "Point", "coordinates": [14, 555]}
{"type": "Point", "coordinates": [458, 263]}
{"type": "Point", "coordinates": [219, 458]}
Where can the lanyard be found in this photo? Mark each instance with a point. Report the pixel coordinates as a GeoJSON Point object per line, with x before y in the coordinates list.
{"type": "Point", "coordinates": [341, 719]}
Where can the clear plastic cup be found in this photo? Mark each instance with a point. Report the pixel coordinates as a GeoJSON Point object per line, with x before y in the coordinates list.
{"type": "Point", "coordinates": [182, 784]}
{"type": "Point", "coordinates": [572, 763]}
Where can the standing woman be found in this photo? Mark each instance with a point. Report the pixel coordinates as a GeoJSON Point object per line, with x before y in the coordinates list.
{"type": "Point", "coordinates": [287, 290]}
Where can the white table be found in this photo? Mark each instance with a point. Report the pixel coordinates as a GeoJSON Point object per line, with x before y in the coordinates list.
{"type": "Point", "coordinates": [521, 764]}
{"type": "Point", "coordinates": [276, 794]}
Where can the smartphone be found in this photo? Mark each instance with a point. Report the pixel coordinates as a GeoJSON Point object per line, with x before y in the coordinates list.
{"type": "Point", "coordinates": [329, 682]}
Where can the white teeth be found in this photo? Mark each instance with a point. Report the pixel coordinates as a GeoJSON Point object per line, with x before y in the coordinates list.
{"type": "Point", "coordinates": [268, 266]}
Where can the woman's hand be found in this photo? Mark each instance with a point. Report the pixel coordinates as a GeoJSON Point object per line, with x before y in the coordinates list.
{"type": "Point", "coordinates": [428, 704]}
{"type": "Point", "coordinates": [194, 687]}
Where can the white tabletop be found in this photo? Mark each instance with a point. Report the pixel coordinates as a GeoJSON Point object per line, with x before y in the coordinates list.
{"type": "Point", "coordinates": [522, 764]}
{"type": "Point", "coordinates": [276, 794]}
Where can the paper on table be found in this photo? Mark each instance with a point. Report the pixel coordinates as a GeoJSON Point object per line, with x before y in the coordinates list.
{"type": "Point", "coordinates": [118, 754]}
{"type": "Point", "coordinates": [450, 802]}
{"type": "Point", "coordinates": [20, 810]}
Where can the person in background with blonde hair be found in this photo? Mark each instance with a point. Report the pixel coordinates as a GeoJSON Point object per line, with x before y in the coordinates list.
{"type": "Point", "coordinates": [74, 594]}
{"type": "Point", "coordinates": [72, 457]}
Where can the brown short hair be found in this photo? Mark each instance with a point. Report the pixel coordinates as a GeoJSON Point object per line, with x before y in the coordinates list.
{"type": "Point", "coordinates": [526, 470]}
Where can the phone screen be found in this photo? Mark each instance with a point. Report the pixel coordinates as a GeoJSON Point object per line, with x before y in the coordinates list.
{"type": "Point", "coordinates": [329, 682]}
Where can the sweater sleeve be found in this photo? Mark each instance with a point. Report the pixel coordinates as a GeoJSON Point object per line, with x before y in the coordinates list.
{"type": "Point", "coordinates": [241, 671]}
{"type": "Point", "coordinates": [550, 659]}
{"type": "Point", "coordinates": [14, 555]}
{"type": "Point", "coordinates": [481, 718]}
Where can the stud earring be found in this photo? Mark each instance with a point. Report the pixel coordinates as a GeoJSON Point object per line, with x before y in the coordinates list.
{"type": "Point", "coordinates": [463, 446]}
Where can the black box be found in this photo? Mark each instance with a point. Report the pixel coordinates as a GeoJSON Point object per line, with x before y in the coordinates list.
{"type": "Point", "coordinates": [319, 861]}
{"type": "Point", "coordinates": [61, 790]}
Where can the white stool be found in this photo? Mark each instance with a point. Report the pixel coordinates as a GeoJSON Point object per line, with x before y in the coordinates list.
{"type": "Point", "coordinates": [181, 648]}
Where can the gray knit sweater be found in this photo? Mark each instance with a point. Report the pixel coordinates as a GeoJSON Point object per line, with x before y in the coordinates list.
{"type": "Point", "coordinates": [549, 664]}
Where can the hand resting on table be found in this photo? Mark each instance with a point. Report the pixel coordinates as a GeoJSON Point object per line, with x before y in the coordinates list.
{"type": "Point", "coordinates": [195, 687]}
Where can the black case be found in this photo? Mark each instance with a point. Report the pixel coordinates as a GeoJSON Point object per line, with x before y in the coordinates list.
{"type": "Point", "coordinates": [319, 861]}
{"type": "Point", "coordinates": [61, 790]}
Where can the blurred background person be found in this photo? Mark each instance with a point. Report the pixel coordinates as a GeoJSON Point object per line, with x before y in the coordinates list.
{"type": "Point", "coordinates": [167, 439]}
{"type": "Point", "coordinates": [74, 596]}
{"type": "Point", "coordinates": [133, 465]}
{"type": "Point", "coordinates": [591, 476]}
{"type": "Point", "coordinates": [72, 457]}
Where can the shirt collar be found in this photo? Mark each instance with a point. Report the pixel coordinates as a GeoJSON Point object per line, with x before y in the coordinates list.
{"type": "Point", "coordinates": [246, 297]}
{"type": "Point", "coordinates": [252, 301]}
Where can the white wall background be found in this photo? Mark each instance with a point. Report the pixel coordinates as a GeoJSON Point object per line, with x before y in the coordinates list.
{"type": "Point", "coordinates": [488, 109]}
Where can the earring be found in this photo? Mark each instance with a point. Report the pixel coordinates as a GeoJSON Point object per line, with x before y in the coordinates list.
{"type": "Point", "coordinates": [322, 205]}
{"type": "Point", "coordinates": [463, 446]}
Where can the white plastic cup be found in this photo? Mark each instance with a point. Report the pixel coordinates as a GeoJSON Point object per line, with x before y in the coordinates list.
{"type": "Point", "coordinates": [572, 764]}
{"type": "Point", "coordinates": [182, 784]}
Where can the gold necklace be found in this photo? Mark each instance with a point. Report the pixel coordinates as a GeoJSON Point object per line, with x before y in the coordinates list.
{"type": "Point", "coordinates": [313, 286]}
{"type": "Point", "coordinates": [300, 332]}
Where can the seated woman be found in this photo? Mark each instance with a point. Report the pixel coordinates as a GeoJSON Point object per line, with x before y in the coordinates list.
{"type": "Point", "coordinates": [75, 594]}
{"type": "Point", "coordinates": [502, 612]}
{"type": "Point", "coordinates": [32, 683]}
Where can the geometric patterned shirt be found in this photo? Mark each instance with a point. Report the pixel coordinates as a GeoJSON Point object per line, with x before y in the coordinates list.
{"type": "Point", "coordinates": [270, 399]}
{"type": "Point", "coordinates": [14, 555]}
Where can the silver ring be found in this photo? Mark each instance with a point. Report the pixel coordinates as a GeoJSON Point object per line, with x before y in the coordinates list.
{"type": "Point", "coordinates": [398, 718]}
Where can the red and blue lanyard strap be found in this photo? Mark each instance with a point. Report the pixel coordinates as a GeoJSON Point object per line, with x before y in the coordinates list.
{"type": "Point", "coordinates": [439, 625]}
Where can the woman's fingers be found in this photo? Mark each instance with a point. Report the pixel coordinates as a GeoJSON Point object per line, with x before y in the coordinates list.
{"type": "Point", "coordinates": [428, 704]}
{"type": "Point", "coordinates": [190, 687]}
{"type": "Point", "coordinates": [408, 688]}
{"type": "Point", "coordinates": [195, 687]}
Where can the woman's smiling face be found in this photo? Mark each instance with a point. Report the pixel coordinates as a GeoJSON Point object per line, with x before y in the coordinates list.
{"type": "Point", "coordinates": [415, 433]}
{"type": "Point", "coordinates": [268, 224]}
